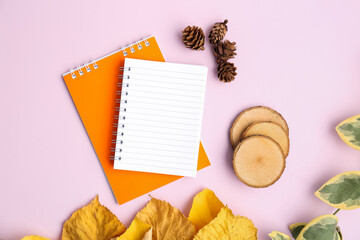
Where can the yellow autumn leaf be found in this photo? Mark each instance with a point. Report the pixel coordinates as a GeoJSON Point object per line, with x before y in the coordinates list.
{"type": "Point", "coordinates": [92, 222]}
{"type": "Point", "coordinates": [34, 237]}
{"type": "Point", "coordinates": [137, 231]}
{"type": "Point", "coordinates": [226, 226]}
{"type": "Point", "coordinates": [167, 222]}
{"type": "Point", "coordinates": [205, 207]}
{"type": "Point", "coordinates": [148, 235]}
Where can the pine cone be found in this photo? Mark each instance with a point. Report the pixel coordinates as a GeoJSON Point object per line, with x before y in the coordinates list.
{"type": "Point", "coordinates": [224, 50]}
{"type": "Point", "coordinates": [193, 37]}
{"type": "Point", "coordinates": [218, 32]}
{"type": "Point", "coordinates": [226, 71]}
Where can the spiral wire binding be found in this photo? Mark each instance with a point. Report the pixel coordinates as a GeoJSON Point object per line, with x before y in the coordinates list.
{"type": "Point", "coordinates": [96, 66]}
{"type": "Point", "coordinates": [139, 46]}
{"type": "Point", "coordinates": [121, 107]}
{"type": "Point", "coordinates": [86, 66]}
{"type": "Point", "coordinates": [80, 71]}
{"type": "Point", "coordinates": [132, 49]}
{"type": "Point", "coordinates": [72, 73]}
{"type": "Point", "coordinates": [120, 92]}
{"type": "Point", "coordinates": [88, 69]}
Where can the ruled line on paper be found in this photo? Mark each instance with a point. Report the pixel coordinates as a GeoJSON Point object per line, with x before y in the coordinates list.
{"type": "Point", "coordinates": [163, 116]}
{"type": "Point", "coordinates": [137, 147]}
{"type": "Point", "coordinates": [163, 111]}
{"type": "Point", "coordinates": [157, 87]}
{"type": "Point", "coordinates": [174, 83]}
{"type": "Point", "coordinates": [172, 94]}
{"type": "Point", "coordinates": [119, 162]}
{"type": "Point", "coordinates": [161, 104]}
{"type": "Point", "coordinates": [160, 155]}
{"type": "Point", "coordinates": [154, 126]}
{"type": "Point", "coordinates": [164, 70]}
{"type": "Point", "coordinates": [154, 141]}
{"type": "Point", "coordinates": [166, 76]}
{"type": "Point", "coordinates": [185, 135]}
{"type": "Point", "coordinates": [141, 160]}
{"type": "Point", "coordinates": [145, 119]}
{"type": "Point", "coordinates": [167, 139]}
{"type": "Point", "coordinates": [139, 96]}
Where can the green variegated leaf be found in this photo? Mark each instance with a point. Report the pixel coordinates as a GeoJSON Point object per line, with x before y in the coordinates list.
{"type": "Point", "coordinates": [275, 235]}
{"type": "Point", "coordinates": [349, 131]}
{"type": "Point", "coordinates": [321, 228]}
{"type": "Point", "coordinates": [342, 191]}
{"type": "Point", "coordinates": [296, 228]}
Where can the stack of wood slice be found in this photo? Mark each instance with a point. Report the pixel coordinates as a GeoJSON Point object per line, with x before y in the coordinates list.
{"type": "Point", "coordinates": [260, 138]}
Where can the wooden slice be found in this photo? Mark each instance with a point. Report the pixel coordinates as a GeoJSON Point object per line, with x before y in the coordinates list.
{"type": "Point", "coordinates": [251, 115]}
{"type": "Point", "coordinates": [272, 130]}
{"type": "Point", "coordinates": [258, 161]}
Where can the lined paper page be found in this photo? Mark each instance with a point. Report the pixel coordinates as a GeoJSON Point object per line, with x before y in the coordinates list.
{"type": "Point", "coordinates": [160, 117]}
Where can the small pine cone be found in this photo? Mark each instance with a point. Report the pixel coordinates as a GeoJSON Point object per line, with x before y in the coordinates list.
{"type": "Point", "coordinates": [193, 37]}
{"type": "Point", "coordinates": [226, 71]}
{"type": "Point", "coordinates": [218, 32]}
{"type": "Point", "coordinates": [224, 50]}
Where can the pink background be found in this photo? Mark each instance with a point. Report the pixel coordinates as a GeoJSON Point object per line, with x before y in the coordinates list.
{"type": "Point", "coordinates": [300, 57]}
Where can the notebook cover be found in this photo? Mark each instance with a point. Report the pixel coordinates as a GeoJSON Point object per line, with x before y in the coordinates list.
{"type": "Point", "coordinates": [94, 95]}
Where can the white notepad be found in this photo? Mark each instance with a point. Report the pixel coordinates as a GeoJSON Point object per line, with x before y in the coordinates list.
{"type": "Point", "coordinates": [160, 117]}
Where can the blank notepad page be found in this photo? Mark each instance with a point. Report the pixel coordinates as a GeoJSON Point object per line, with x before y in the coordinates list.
{"type": "Point", "coordinates": [160, 117]}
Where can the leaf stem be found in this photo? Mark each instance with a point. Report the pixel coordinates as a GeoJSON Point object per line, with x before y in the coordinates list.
{"type": "Point", "coordinates": [336, 211]}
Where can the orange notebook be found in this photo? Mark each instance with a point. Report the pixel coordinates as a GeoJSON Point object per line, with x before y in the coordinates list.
{"type": "Point", "coordinates": [93, 88]}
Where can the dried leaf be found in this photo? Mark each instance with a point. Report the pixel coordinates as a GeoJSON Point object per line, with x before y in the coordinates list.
{"type": "Point", "coordinates": [136, 231]}
{"type": "Point", "coordinates": [275, 235]}
{"type": "Point", "coordinates": [93, 221]}
{"type": "Point", "coordinates": [226, 226]}
{"type": "Point", "coordinates": [342, 191]}
{"type": "Point", "coordinates": [205, 207]}
{"type": "Point", "coordinates": [34, 237]}
{"type": "Point", "coordinates": [168, 223]}
{"type": "Point", "coordinates": [148, 235]}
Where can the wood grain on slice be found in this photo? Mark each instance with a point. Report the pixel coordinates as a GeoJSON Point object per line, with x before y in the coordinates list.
{"type": "Point", "coordinates": [272, 130]}
{"type": "Point", "coordinates": [251, 115]}
{"type": "Point", "coordinates": [258, 161]}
